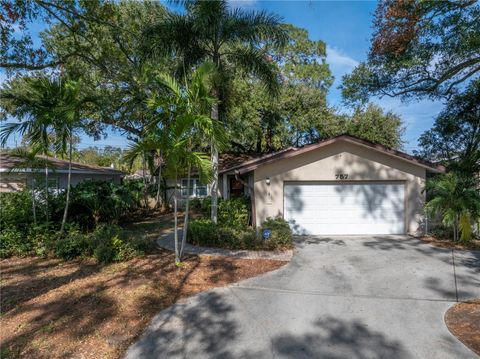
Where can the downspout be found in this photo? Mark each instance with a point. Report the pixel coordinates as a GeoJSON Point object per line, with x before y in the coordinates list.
{"type": "Point", "coordinates": [252, 197]}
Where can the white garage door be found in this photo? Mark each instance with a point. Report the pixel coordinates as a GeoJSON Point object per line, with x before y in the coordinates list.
{"type": "Point", "coordinates": [345, 208]}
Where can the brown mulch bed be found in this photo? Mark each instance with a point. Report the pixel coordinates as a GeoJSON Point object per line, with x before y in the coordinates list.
{"type": "Point", "coordinates": [444, 243]}
{"type": "Point", "coordinates": [80, 309]}
{"type": "Point", "coordinates": [463, 321]}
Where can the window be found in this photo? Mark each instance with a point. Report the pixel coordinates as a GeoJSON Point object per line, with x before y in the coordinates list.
{"type": "Point", "coordinates": [196, 188]}
{"type": "Point", "coordinates": [40, 183]}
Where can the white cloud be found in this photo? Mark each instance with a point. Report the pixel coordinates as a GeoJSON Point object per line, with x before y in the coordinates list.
{"type": "Point", "coordinates": [242, 3]}
{"type": "Point", "coordinates": [339, 62]}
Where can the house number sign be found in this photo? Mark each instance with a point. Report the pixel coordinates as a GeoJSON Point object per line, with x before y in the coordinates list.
{"type": "Point", "coordinates": [341, 176]}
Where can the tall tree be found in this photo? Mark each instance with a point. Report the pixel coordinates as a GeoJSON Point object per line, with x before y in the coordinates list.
{"type": "Point", "coordinates": [50, 108]}
{"type": "Point", "coordinates": [19, 49]}
{"type": "Point", "coordinates": [297, 114]}
{"type": "Point", "coordinates": [179, 129]}
{"type": "Point", "coordinates": [419, 49]}
{"type": "Point", "coordinates": [30, 100]}
{"type": "Point", "coordinates": [229, 38]}
{"type": "Point", "coordinates": [454, 138]}
{"type": "Point", "coordinates": [68, 119]}
{"type": "Point", "coordinates": [373, 124]}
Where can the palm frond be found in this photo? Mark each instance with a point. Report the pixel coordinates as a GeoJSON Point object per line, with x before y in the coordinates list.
{"type": "Point", "coordinates": [255, 27]}
{"type": "Point", "coordinates": [255, 61]}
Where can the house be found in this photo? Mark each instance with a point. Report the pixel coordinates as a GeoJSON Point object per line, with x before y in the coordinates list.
{"type": "Point", "coordinates": [14, 176]}
{"type": "Point", "coordinates": [339, 186]}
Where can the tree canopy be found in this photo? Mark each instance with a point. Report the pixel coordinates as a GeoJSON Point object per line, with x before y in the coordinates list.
{"type": "Point", "coordinates": [421, 49]}
{"type": "Point", "coordinates": [454, 138]}
{"type": "Point", "coordinates": [118, 48]}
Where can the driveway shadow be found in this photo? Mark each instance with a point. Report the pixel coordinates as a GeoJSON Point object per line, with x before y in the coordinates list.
{"type": "Point", "coordinates": [205, 328]}
{"type": "Point", "coordinates": [334, 338]}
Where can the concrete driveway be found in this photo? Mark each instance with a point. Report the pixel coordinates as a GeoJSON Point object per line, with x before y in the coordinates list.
{"type": "Point", "coordinates": [373, 297]}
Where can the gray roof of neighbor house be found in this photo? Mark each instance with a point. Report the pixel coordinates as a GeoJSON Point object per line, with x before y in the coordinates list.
{"type": "Point", "coordinates": [9, 162]}
{"type": "Point", "coordinates": [252, 164]}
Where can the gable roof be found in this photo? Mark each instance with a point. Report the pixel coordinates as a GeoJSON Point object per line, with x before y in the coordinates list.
{"type": "Point", "coordinates": [294, 151]}
{"type": "Point", "coordinates": [9, 162]}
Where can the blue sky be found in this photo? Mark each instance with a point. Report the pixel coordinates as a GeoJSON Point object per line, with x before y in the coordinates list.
{"type": "Point", "coordinates": [345, 26]}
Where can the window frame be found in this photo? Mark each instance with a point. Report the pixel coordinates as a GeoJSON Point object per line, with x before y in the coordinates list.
{"type": "Point", "coordinates": [196, 187]}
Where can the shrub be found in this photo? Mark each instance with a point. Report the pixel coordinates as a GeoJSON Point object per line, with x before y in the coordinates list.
{"type": "Point", "coordinates": [233, 212]}
{"type": "Point", "coordinates": [204, 232]}
{"type": "Point", "coordinates": [281, 234]}
{"type": "Point", "coordinates": [202, 205]}
{"type": "Point", "coordinates": [13, 242]}
{"type": "Point", "coordinates": [16, 210]}
{"type": "Point", "coordinates": [110, 247]}
{"type": "Point", "coordinates": [103, 202]}
{"type": "Point", "coordinates": [75, 244]}
{"type": "Point", "coordinates": [234, 238]}
{"type": "Point", "coordinates": [43, 238]}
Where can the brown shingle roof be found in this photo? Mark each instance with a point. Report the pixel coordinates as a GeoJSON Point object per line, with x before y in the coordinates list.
{"type": "Point", "coordinates": [293, 151]}
{"type": "Point", "coordinates": [9, 162]}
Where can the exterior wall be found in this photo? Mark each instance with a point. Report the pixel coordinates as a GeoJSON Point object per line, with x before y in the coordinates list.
{"type": "Point", "coordinates": [360, 163]}
{"type": "Point", "coordinates": [77, 178]}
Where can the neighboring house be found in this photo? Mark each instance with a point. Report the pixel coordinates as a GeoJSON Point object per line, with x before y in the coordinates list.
{"type": "Point", "coordinates": [340, 186]}
{"type": "Point", "coordinates": [14, 178]}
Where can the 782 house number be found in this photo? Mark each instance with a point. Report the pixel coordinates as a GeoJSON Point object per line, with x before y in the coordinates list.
{"type": "Point", "coordinates": [341, 176]}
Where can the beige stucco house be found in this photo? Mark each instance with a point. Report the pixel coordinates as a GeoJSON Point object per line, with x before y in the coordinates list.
{"type": "Point", "coordinates": [340, 186]}
{"type": "Point", "coordinates": [14, 176]}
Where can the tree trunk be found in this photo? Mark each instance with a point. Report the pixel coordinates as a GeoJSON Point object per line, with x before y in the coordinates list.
{"type": "Point", "coordinates": [455, 229]}
{"type": "Point", "coordinates": [165, 195]}
{"type": "Point", "coordinates": [175, 221]}
{"type": "Point", "coordinates": [46, 191]}
{"type": "Point", "coordinates": [144, 180]}
{"type": "Point", "coordinates": [159, 182]}
{"type": "Point", "coordinates": [69, 180]}
{"type": "Point", "coordinates": [34, 211]}
{"type": "Point", "coordinates": [214, 183]}
{"type": "Point", "coordinates": [185, 220]}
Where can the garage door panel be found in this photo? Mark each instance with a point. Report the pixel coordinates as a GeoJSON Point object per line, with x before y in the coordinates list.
{"type": "Point", "coordinates": [362, 208]}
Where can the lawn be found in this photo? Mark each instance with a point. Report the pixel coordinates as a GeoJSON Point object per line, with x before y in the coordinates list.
{"type": "Point", "coordinates": [56, 309]}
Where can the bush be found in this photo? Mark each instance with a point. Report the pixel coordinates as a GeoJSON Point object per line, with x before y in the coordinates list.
{"type": "Point", "coordinates": [204, 232]}
{"type": "Point", "coordinates": [75, 244]}
{"type": "Point", "coordinates": [33, 240]}
{"type": "Point", "coordinates": [43, 238]}
{"type": "Point", "coordinates": [110, 247]}
{"type": "Point", "coordinates": [16, 210]}
{"type": "Point", "coordinates": [13, 243]}
{"type": "Point", "coordinates": [281, 234]}
{"type": "Point", "coordinates": [233, 212]}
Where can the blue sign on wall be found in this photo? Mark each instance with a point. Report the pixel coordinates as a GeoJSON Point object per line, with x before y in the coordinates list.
{"type": "Point", "coordinates": [266, 233]}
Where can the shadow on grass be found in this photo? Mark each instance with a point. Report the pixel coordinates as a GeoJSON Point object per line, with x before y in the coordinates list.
{"type": "Point", "coordinates": [97, 307]}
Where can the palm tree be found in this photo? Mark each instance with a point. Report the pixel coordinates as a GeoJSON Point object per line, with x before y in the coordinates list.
{"type": "Point", "coordinates": [231, 39]}
{"type": "Point", "coordinates": [181, 126]}
{"type": "Point", "coordinates": [457, 203]}
{"type": "Point", "coordinates": [71, 100]}
{"type": "Point", "coordinates": [50, 108]}
{"type": "Point", "coordinates": [30, 100]}
{"type": "Point", "coordinates": [29, 161]}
